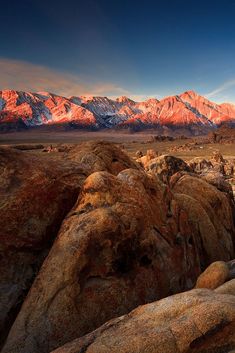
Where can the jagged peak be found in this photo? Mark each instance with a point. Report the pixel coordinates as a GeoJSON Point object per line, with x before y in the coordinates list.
{"type": "Point", "coordinates": [8, 92]}
{"type": "Point", "coordinates": [45, 107]}
{"type": "Point", "coordinates": [151, 100]}
{"type": "Point", "coordinates": [190, 93]}
{"type": "Point", "coordinates": [125, 99]}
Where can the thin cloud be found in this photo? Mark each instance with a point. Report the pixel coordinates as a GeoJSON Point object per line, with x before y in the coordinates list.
{"type": "Point", "coordinates": [226, 85]}
{"type": "Point", "coordinates": [25, 76]}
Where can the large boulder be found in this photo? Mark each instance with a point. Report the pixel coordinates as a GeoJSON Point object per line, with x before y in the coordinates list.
{"type": "Point", "coordinates": [217, 179]}
{"type": "Point", "coordinates": [210, 215]}
{"type": "Point", "coordinates": [35, 196]}
{"type": "Point", "coordinates": [214, 276]}
{"type": "Point", "coordinates": [215, 164]}
{"type": "Point", "coordinates": [125, 243]}
{"type": "Point", "coordinates": [200, 165]}
{"type": "Point", "coordinates": [199, 321]}
{"type": "Point", "coordinates": [102, 156]}
{"type": "Point", "coordinates": [217, 157]}
{"type": "Point", "coordinates": [145, 160]}
{"type": "Point", "coordinates": [227, 288]}
{"type": "Point", "coordinates": [165, 166]}
{"type": "Point", "coordinates": [229, 168]}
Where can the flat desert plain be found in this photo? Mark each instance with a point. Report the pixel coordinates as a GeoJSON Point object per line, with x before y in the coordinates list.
{"type": "Point", "coordinates": [187, 148]}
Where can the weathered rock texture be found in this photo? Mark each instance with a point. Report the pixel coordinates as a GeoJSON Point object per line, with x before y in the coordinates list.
{"type": "Point", "coordinates": [210, 215]}
{"type": "Point", "coordinates": [199, 321]}
{"type": "Point", "coordinates": [214, 276]}
{"type": "Point", "coordinates": [199, 165]}
{"type": "Point", "coordinates": [35, 196]}
{"type": "Point", "coordinates": [218, 180]}
{"type": "Point", "coordinates": [165, 166]}
{"type": "Point", "coordinates": [145, 160]}
{"type": "Point", "coordinates": [125, 243]}
{"type": "Point", "coordinates": [216, 163]}
{"type": "Point", "coordinates": [102, 156]}
{"type": "Point", "coordinates": [227, 288]}
{"type": "Point", "coordinates": [129, 240]}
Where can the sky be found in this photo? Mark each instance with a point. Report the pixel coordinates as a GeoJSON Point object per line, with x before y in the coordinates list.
{"type": "Point", "coordinates": [118, 47]}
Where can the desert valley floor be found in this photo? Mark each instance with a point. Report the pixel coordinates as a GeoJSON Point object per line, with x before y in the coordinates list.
{"type": "Point", "coordinates": [131, 142]}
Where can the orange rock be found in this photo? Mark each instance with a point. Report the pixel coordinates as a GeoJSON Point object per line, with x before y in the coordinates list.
{"type": "Point", "coordinates": [214, 276]}
{"type": "Point", "coordinates": [165, 166]}
{"type": "Point", "coordinates": [35, 196]}
{"type": "Point", "coordinates": [125, 243]}
{"type": "Point", "coordinates": [197, 321]}
{"type": "Point", "coordinates": [100, 156]}
{"type": "Point", "coordinates": [210, 214]}
{"type": "Point", "coordinates": [227, 288]}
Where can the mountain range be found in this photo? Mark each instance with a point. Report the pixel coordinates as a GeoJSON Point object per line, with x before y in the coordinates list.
{"type": "Point", "coordinates": [190, 111]}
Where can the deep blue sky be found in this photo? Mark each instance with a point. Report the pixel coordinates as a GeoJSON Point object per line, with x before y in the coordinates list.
{"type": "Point", "coordinates": [115, 47]}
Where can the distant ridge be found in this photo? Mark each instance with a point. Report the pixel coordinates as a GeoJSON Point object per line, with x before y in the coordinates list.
{"type": "Point", "coordinates": [189, 110]}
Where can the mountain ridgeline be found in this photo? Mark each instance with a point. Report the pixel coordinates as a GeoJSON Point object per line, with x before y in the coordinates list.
{"type": "Point", "coordinates": [187, 112]}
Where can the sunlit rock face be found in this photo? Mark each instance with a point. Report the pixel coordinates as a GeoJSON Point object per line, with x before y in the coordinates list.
{"type": "Point", "coordinates": [196, 321]}
{"type": "Point", "coordinates": [190, 110]}
{"type": "Point", "coordinates": [35, 195]}
{"type": "Point", "coordinates": [211, 215]}
{"type": "Point", "coordinates": [102, 156]}
{"type": "Point", "coordinates": [166, 165]}
{"type": "Point", "coordinates": [100, 236]}
{"type": "Point", "coordinates": [35, 109]}
{"type": "Point", "coordinates": [127, 241]}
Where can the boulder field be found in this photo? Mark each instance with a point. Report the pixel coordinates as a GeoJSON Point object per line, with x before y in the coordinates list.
{"type": "Point", "coordinates": [92, 235]}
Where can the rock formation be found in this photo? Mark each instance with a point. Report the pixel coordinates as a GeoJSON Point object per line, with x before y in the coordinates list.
{"type": "Point", "coordinates": [102, 156]}
{"type": "Point", "coordinates": [210, 214]}
{"type": "Point", "coordinates": [214, 276]}
{"type": "Point", "coordinates": [165, 166]}
{"type": "Point", "coordinates": [125, 243]}
{"type": "Point", "coordinates": [129, 239]}
{"type": "Point", "coordinates": [35, 196]}
{"type": "Point", "coordinates": [198, 321]}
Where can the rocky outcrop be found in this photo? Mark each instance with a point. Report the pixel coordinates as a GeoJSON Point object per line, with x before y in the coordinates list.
{"type": "Point", "coordinates": [130, 239]}
{"type": "Point", "coordinates": [35, 196]}
{"type": "Point", "coordinates": [200, 165]}
{"type": "Point", "coordinates": [165, 166]}
{"type": "Point", "coordinates": [216, 163]}
{"type": "Point", "coordinates": [102, 156]}
{"type": "Point", "coordinates": [198, 321]}
{"type": "Point", "coordinates": [146, 159]}
{"type": "Point", "coordinates": [217, 179]}
{"type": "Point", "coordinates": [210, 215]}
{"type": "Point", "coordinates": [125, 243]}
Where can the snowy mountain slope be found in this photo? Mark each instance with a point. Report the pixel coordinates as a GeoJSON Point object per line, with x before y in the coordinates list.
{"type": "Point", "coordinates": [44, 108]}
